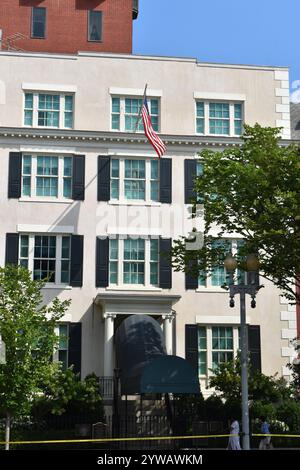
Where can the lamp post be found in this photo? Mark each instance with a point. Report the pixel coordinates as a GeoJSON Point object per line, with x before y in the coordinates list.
{"type": "Point", "coordinates": [251, 287]}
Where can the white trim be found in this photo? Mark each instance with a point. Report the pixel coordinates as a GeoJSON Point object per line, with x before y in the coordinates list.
{"type": "Point", "coordinates": [46, 199]}
{"type": "Point", "coordinates": [220, 320]}
{"type": "Point", "coordinates": [49, 87]}
{"type": "Point", "coordinates": [118, 202]}
{"type": "Point", "coordinates": [210, 95]}
{"type": "Point", "coordinates": [134, 91]}
{"type": "Point", "coordinates": [133, 232]}
{"type": "Point", "coordinates": [58, 287]}
{"type": "Point", "coordinates": [29, 228]}
{"type": "Point", "coordinates": [282, 92]}
{"type": "Point", "coordinates": [56, 151]}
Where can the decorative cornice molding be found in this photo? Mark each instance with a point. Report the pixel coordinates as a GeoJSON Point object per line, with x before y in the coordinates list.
{"type": "Point", "coordinates": [63, 135]}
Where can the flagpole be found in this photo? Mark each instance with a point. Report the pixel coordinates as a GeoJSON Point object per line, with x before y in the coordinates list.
{"type": "Point", "coordinates": [140, 111]}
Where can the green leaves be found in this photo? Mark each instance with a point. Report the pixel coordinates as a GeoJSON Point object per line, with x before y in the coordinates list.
{"type": "Point", "coordinates": [252, 191]}
{"type": "Point", "coordinates": [27, 328]}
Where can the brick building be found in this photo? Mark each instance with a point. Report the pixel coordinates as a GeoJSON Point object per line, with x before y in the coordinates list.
{"type": "Point", "coordinates": [67, 26]}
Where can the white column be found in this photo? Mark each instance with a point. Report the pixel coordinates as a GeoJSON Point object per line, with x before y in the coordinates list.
{"type": "Point", "coordinates": [168, 332]}
{"type": "Point", "coordinates": [108, 344]}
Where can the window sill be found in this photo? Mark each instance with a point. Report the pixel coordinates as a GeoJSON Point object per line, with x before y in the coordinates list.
{"type": "Point", "coordinates": [212, 289]}
{"type": "Point", "coordinates": [134, 203]}
{"type": "Point", "coordinates": [46, 199]}
{"type": "Point", "coordinates": [134, 288]}
{"type": "Point", "coordinates": [58, 286]}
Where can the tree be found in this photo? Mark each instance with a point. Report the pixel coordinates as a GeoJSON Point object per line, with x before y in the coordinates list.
{"type": "Point", "coordinates": [65, 393]}
{"type": "Point", "coordinates": [253, 191]}
{"type": "Point", "coordinates": [227, 381]}
{"type": "Point", "coordinates": [27, 328]}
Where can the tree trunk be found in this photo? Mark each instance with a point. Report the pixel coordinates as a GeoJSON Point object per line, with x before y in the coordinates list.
{"type": "Point", "coordinates": [7, 430]}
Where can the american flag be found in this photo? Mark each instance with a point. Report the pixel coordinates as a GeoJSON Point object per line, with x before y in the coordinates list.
{"type": "Point", "coordinates": [151, 135]}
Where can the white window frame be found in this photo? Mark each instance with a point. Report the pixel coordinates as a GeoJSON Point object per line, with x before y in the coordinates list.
{"type": "Point", "coordinates": [122, 199]}
{"type": "Point", "coordinates": [147, 262]}
{"type": "Point", "coordinates": [208, 285]}
{"type": "Point", "coordinates": [35, 108]}
{"type": "Point", "coordinates": [122, 112]}
{"type": "Point", "coordinates": [209, 349]}
{"type": "Point", "coordinates": [207, 118]}
{"type": "Point", "coordinates": [34, 175]}
{"type": "Point", "coordinates": [58, 258]}
{"type": "Point", "coordinates": [56, 351]}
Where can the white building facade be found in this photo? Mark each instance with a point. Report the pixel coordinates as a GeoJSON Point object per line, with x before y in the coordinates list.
{"type": "Point", "coordinates": [86, 202]}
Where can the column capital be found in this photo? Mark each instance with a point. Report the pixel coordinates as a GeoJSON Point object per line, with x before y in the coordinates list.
{"type": "Point", "coordinates": [168, 316]}
{"type": "Point", "coordinates": [111, 316]}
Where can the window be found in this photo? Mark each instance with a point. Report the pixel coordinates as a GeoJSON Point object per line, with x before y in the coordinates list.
{"type": "Point", "coordinates": [63, 345]}
{"type": "Point", "coordinates": [49, 110]}
{"type": "Point", "coordinates": [218, 276]}
{"type": "Point", "coordinates": [46, 176]}
{"type": "Point", "coordinates": [95, 26]}
{"type": "Point", "coordinates": [47, 257]}
{"type": "Point", "coordinates": [222, 345]}
{"type": "Point", "coordinates": [134, 180]}
{"type": "Point", "coordinates": [133, 261]}
{"type": "Point", "coordinates": [38, 25]}
{"type": "Point", "coordinates": [219, 118]}
{"type": "Point", "coordinates": [217, 344]}
{"type": "Point", "coordinates": [125, 112]}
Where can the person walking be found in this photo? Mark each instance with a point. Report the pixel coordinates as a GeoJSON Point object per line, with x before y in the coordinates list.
{"type": "Point", "coordinates": [234, 438]}
{"type": "Point", "coordinates": [265, 443]}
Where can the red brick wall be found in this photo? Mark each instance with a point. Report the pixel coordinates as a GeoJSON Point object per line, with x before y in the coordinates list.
{"type": "Point", "coordinates": [66, 29]}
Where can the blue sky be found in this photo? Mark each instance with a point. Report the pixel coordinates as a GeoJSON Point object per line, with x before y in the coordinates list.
{"type": "Point", "coordinates": [260, 32]}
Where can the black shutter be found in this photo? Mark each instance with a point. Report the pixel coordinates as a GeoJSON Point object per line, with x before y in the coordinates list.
{"type": "Point", "coordinates": [191, 345]}
{"type": "Point", "coordinates": [74, 357]}
{"type": "Point", "coordinates": [254, 346]}
{"type": "Point", "coordinates": [191, 281]}
{"type": "Point", "coordinates": [76, 260]}
{"type": "Point", "coordinates": [12, 248]}
{"type": "Point", "coordinates": [78, 177]}
{"type": "Point", "coordinates": [189, 178]}
{"type": "Point", "coordinates": [102, 255]}
{"type": "Point", "coordinates": [103, 178]}
{"type": "Point", "coordinates": [14, 175]}
{"type": "Point", "coordinates": [166, 180]}
{"type": "Point", "coordinates": [165, 267]}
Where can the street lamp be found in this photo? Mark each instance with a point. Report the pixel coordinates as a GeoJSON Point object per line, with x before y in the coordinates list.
{"type": "Point", "coordinates": [251, 287]}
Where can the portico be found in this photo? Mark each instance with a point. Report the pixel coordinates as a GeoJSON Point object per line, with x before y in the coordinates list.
{"type": "Point", "coordinates": [120, 304]}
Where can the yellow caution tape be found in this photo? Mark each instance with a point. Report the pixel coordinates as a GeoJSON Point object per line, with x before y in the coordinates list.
{"type": "Point", "coordinates": [126, 439]}
{"type": "Point", "coordinates": [118, 439]}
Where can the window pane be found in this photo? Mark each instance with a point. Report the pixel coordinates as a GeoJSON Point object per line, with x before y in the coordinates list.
{"type": "Point", "coordinates": [237, 111]}
{"type": "Point", "coordinates": [113, 249]}
{"type": "Point", "coordinates": [67, 166]}
{"type": "Point", "coordinates": [63, 336]}
{"type": "Point", "coordinates": [200, 126]}
{"type": "Point", "coordinates": [38, 22]}
{"type": "Point", "coordinates": [29, 100]}
{"type": "Point", "coordinates": [68, 103]}
{"type": "Point", "coordinates": [24, 242]}
{"type": "Point", "coordinates": [115, 168]}
{"type": "Point", "coordinates": [115, 122]}
{"type": "Point", "coordinates": [95, 25]}
{"type": "Point", "coordinates": [238, 127]}
{"type": "Point", "coordinates": [200, 109]}
{"type": "Point", "coordinates": [69, 120]}
{"type": "Point", "coordinates": [113, 272]}
{"type": "Point", "coordinates": [115, 105]}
